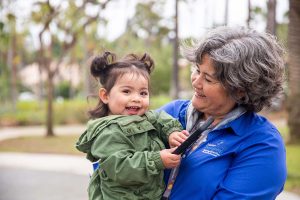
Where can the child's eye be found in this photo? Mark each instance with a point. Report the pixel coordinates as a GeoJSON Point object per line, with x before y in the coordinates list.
{"type": "Point", "coordinates": [144, 93]}
{"type": "Point", "coordinates": [126, 91]}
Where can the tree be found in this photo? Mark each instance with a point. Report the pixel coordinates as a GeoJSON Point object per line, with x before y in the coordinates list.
{"type": "Point", "coordinates": [249, 18]}
{"type": "Point", "coordinates": [11, 54]}
{"type": "Point", "coordinates": [61, 27]}
{"type": "Point", "coordinates": [175, 74]}
{"type": "Point", "coordinates": [271, 17]}
{"type": "Point", "coordinates": [148, 31]}
{"type": "Point", "coordinates": [147, 23]}
{"type": "Point", "coordinates": [294, 71]}
{"type": "Point", "coordinates": [226, 12]}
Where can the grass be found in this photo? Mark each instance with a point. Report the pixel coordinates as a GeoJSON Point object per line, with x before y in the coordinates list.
{"type": "Point", "coordinates": [38, 144]}
{"type": "Point", "coordinates": [293, 165]}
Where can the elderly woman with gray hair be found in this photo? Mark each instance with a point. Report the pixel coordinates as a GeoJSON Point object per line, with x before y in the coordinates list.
{"type": "Point", "coordinates": [236, 73]}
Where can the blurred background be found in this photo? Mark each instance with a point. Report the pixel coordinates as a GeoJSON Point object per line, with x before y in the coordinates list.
{"type": "Point", "coordinates": [46, 47]}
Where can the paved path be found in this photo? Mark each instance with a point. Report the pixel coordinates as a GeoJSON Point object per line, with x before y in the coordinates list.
{"type": "Point", "coordinates": [76, 165]}
{"type": "Point", "coordinates": [58, 167]}
{"type": "Point", "coordinates": [29, 184]}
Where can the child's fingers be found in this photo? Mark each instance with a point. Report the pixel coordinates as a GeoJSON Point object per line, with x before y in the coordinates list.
{"type": "Point", "coordinates": [181, 138]}
{"type": "Point", "coordinates": [185, 132]}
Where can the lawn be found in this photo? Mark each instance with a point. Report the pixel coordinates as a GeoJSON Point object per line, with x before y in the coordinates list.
{"type": "Point", "coordinates": [38, 144]}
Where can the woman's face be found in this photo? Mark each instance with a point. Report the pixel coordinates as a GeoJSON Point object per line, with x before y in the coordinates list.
{"type": "Point", "coordinates": [210, 97]}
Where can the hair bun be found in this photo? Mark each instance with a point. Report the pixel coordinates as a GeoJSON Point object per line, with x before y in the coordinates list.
{"type": "Point", "coordinates": [101, 63]}
{"type": "Point", "coordinates": [149, 63]}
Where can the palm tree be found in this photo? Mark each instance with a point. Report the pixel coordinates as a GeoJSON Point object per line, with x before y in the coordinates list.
{"type": "Point", "coordinates": [294, 71]}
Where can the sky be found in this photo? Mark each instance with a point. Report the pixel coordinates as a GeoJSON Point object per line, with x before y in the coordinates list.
{"type": "Point", "coordinates": [194, 18]}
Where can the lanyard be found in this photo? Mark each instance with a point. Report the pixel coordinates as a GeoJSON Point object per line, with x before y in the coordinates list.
{"type": "Point", "coordinates": [186, 148]}
{"type": "Point", "coordinates": [237, 112]}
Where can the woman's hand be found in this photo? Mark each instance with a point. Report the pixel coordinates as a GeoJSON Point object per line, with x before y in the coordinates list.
{"type": "Point", "coordinates": [176, 138]}
{"type": "Point", "coordinates": [169, 160]}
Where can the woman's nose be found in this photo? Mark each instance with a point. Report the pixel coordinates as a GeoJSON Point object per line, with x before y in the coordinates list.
{"type": "Point", "coordinates": [197, 81]}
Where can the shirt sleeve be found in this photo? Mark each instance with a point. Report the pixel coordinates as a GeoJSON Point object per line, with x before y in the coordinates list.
{"type": "Point", "coordinates": [121, 162]}
{"type": "Point", "coordinates": [258, 171]}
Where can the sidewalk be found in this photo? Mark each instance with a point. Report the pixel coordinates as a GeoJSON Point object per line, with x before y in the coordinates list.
{"type": "Point", "coordinates": [69, 164]}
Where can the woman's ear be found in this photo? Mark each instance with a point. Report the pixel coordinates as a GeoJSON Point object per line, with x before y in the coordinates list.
{"type": "Point", "coordinates": [241, 94]}
{"type": "Point", "coordinates": [103, 95]}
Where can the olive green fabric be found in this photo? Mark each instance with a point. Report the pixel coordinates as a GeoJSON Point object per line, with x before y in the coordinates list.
{"type": "Point", "coordinates": [127, 148]}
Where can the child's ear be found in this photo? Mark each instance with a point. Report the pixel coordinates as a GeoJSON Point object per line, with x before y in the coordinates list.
{"type": "Point", "coordinates": [103, 95]}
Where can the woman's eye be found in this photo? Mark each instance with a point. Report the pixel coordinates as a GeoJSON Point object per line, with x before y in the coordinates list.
{"type": "Point", "coordinates": [208, 80]}
{"type": "Point", "coordinates": [195, 70]}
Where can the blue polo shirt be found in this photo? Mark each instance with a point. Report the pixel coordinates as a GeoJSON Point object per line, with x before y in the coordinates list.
{"type": "Point", "coordinates": [244, 159]}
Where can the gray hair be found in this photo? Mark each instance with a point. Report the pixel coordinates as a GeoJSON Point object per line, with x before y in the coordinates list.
{"type": "Point", "coordinates": [244, 60]}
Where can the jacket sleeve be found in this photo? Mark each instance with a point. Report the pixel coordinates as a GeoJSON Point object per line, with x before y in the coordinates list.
{"type": "Point", "coordinates": [164, 123]}
{"type": "Point", "coordinates": [121, 162]}
{"type": "Point", "coordinates": [257, 172]}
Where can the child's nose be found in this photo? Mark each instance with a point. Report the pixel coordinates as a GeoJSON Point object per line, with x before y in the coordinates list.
{"type": "Point", "coordinates": [136, 98]}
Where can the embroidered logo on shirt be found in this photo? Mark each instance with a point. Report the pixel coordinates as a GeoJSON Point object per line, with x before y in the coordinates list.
{"type": "Point", "coordinates": [215, 149]}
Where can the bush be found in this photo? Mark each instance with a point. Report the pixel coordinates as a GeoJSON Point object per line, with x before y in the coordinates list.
{"type": "Point", "coordinates": [65, 112]}
{"type": "Point", "coordinates": [34, 113]}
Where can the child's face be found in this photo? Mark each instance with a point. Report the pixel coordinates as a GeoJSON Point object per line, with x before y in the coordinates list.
{"type": "Point", "coordinates": [129, 95]}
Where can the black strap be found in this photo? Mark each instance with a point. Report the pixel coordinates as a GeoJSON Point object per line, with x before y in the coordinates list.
{"type": "Point", "coordinates": [187, 144]}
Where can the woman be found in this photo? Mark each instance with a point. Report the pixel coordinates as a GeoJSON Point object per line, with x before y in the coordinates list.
{"type": "Point", "coordinates": [236, 73]}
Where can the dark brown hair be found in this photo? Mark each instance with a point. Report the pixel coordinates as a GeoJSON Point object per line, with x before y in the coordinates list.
{"type": "Point", "coordinates": [107, 69]}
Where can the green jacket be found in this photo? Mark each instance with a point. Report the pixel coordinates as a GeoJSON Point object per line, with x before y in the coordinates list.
{"type": "Point", "coordinates": [127, 148]}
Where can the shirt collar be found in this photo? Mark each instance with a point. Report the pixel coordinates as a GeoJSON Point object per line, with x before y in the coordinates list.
{"type": "Point", "coordinates": [231, 120]}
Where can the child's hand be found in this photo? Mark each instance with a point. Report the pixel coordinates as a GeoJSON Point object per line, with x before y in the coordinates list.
{"type": "Point", "coordinates": [169, 160]}
{"type": "Point", "coordinates": [176, 138]}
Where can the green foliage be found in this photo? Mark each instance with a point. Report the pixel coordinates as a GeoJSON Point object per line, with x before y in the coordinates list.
{"type": "Point", "coordinates": [4, 85]}
{"type": "Point", "coordinates": [65, 111]}
{"type": "Point", "coordinates": [158, 101]}
{"type": "Point", "coordinates": [284, 131]}
{"type": "Point", "coordinates": [63, 90]}
{"type": "Point", "coordinates": [148, 22]}
{"type": "Point", "coordinates": [70, 112]}
{"type": "Point", "coordinates": [162, 56]}
{"type": "Point", "coordinates": [161, 77]}
{"type": "Point", "coordinates": [34, 113]}
{"type": "Point", "coordinates": [282, 32]}
{"type": "Point", "coordinates": [293, 165]}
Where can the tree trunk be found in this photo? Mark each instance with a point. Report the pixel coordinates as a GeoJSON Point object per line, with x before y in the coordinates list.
{"type": "Point", "coordinates": [249, 14]}
{"type": "Point", "coordinates": [294, 71]}
{"type": "Point", "coordinates": [271, 17]}
{"type": "Point", "coordinates": [12, 66]}
{"type": "Point", "coordinates": [226, 12]}
{"type": "Point", "coordinates": [49, 118]}
{"type": "Point", "coordinates": [175, 75]}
